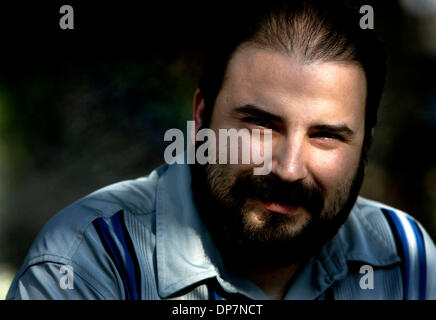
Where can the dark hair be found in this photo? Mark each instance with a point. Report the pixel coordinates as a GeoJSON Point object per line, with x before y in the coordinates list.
{"type": "Point", "coordinates": [316, 30]}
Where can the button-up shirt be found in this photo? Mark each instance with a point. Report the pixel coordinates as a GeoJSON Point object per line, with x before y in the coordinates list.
{"type": "Point", "coordinates": [145, 236]}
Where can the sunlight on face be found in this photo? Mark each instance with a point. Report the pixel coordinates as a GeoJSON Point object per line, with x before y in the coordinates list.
{"type": "Point", "coordinates": [317, 115]}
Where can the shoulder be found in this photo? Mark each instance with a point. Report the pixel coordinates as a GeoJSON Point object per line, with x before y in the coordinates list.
{"type": "Point", "coordinates": [402, 226]}
{"type": "Point", "coordinates": [71, 238]}
{"type": "Point", "coordinates": [62, 234]}
{"type": "Point", "coordinates": [384, 235]}
{"type": "Point", "coordinates": [387, 223]}
{"type": "Point", "coordinates": [379, 215]}
{"type": "Point", "coordinates": [366, 235]}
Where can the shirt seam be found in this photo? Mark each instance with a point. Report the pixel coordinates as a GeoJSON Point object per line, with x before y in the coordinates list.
{"type": "Point", "coordinates": [387, 246]}
{"type": "Point", "coordinates": [60, 264]}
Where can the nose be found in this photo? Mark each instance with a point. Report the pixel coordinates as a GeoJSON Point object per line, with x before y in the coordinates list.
{"type": "Point", "coordinates": [289, 159]}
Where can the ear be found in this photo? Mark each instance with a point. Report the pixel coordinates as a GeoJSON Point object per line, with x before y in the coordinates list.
{"type": "Point", "coordinates": [198, 111]}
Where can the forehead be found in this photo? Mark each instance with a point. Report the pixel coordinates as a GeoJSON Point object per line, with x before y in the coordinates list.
{"type": "Point", "coordinates": [285, 84]}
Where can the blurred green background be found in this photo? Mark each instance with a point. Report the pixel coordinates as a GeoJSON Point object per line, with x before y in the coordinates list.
{"type": "Point", "coordinates": [84, 108]}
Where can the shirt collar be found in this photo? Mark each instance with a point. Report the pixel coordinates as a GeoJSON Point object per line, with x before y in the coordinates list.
{"type": "Point", "coordinates": [187, 255]}
{"type": "Point", "coordinates": [356, 241]}
{"type": "Point", "coordinates": [361, 236]}
{"type": "Point", "coordinates": [184, 249]}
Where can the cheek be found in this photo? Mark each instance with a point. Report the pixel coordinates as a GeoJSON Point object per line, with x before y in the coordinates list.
{"type": "Point", "coordinates": [332, 168]}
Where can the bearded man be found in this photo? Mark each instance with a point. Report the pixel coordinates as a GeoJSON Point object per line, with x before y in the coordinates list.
{"type": "Point", "coordinates": [306, 74]}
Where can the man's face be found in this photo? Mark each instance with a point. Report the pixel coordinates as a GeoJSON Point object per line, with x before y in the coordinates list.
{"type": "Point", "coordinates": [316, 112]}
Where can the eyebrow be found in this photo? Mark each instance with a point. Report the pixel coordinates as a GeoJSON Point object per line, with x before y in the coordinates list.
{"type": "Point", "coordinates": [253, 111]}
{"type": "Point", "coordinates": [337, 129]}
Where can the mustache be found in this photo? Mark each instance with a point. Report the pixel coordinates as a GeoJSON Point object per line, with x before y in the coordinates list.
{"type": "Point", "coordinates": [270, 188]}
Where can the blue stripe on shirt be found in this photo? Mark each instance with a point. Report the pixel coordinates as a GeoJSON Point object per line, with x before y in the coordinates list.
{"type": "Point", "coordinates": [421, 259]}
{"type": "Point", "coordinates": [132, 265]}
{"type": "Point", "coordinates": [111, 248]}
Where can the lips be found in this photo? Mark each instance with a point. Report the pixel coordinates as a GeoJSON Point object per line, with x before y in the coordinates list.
{"type": "Point", "coordinates": [279, 208]}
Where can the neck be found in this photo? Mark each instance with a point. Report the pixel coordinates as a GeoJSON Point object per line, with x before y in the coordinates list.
{"type": "Point", "coordinates": [273, 281]}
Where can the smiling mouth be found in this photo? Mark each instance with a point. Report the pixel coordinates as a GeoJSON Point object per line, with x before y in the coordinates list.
{"type": "Point", "coordinates": [279, 208]}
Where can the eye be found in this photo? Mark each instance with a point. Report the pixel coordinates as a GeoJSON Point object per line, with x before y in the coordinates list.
{"type": "Point", "coordinates": [259, 122]}
{"type": "Point", "coordinates": [327, 135]}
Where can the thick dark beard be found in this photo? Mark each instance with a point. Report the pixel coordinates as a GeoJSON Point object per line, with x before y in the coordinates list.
{"type": "Point", "coordinates": [222, 210]}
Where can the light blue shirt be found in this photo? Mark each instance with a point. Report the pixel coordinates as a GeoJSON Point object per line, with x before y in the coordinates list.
{"type": "Point", "coordinates": [175, 257]}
